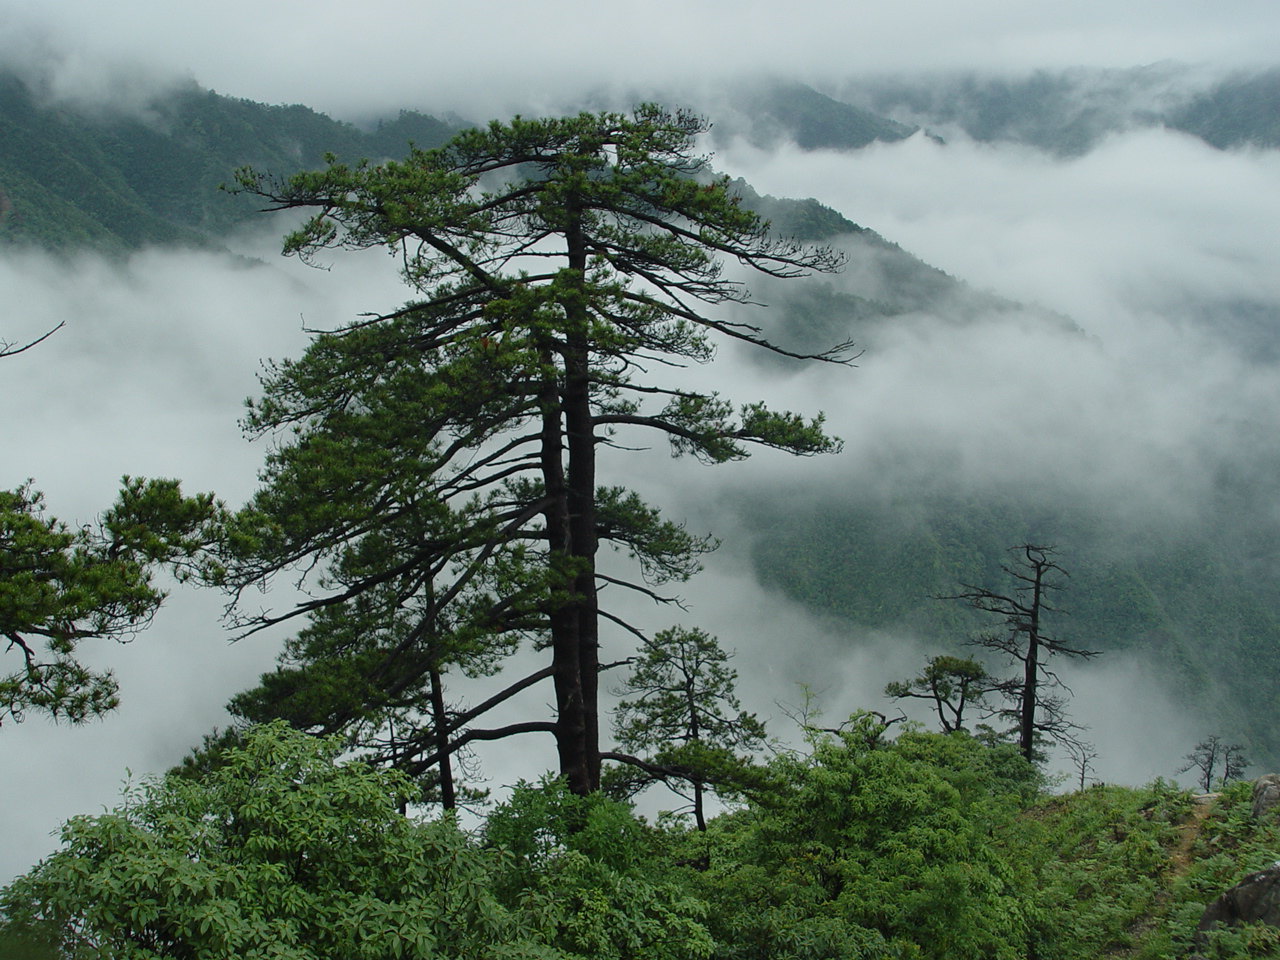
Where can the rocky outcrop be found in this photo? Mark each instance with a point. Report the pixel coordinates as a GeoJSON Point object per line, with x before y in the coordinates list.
{"type": "Point", "coordinates": [1255, 899]}
{"type": "Point", "coordinates": [1266, 794]}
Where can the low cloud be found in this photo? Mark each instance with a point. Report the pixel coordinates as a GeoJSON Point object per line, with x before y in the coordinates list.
{"type": "Point", "coordinates": [147, 377]}
{"type": "Point", "coordinates": [1148, 245]}
{"type": "Point", "coordinates": [494, 57]}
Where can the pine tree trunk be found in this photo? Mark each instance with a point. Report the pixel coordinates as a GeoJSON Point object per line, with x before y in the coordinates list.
{"type": "Point", "coordinates": [564, 619]}
{"type": "Point", "coordinates": [699, 817]}
{"type": "Point", "coordinates": [440, 722]}
{"type": "Point", "coordinates": [581, 484]}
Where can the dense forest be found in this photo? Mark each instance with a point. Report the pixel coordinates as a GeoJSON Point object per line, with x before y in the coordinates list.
{"type": "Point", "coordinates": [435, 553]}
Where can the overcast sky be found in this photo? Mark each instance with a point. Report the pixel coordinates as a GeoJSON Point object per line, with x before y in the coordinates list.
{"type": "Point", "coordinates": [149, 375]}
{"type": "Point", "coordinates": [489, 56]}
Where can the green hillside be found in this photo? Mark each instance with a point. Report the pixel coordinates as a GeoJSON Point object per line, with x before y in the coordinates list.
{"type": "Point", "coordinates": [118, 182]}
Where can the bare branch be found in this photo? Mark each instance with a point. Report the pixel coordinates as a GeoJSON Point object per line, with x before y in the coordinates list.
{"type": "Point", "coordinates": [7, 349]}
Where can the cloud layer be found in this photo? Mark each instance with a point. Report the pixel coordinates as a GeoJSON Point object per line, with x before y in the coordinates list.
{"type": "Point", "coordinates": [1149, 244]}
{"type": "Point", "coordinates": [493, 56]}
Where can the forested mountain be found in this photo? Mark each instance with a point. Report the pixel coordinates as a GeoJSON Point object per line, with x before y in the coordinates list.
{"type": "Point", "coordinates": [117, 181]}
{"type": "Point", "coordinates": [1203, 603]}
{"type": "Point", "coordinates": [1068, 112]}
{"type": "Point", "coordinates": [1243, 110]}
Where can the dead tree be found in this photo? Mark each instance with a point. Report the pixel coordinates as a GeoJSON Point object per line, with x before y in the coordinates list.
{"type": "Point", "coordinates": [1037, 713]}
{"type": "Point", "coordinates": [1211, 755]}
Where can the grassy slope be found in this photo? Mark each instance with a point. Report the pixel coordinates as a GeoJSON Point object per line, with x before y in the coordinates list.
{"type": "Point", "coordinates": [1125, 872]}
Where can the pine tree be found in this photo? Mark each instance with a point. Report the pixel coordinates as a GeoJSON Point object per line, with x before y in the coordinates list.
{"type": "Point", "coordinates": [63, 585]}
{"type": "Point", "coordinates": [954, 684]}
{"type": "Point", "coordinates": [448, 449]}
{"type": "Point", "coordinates": [683, 715]}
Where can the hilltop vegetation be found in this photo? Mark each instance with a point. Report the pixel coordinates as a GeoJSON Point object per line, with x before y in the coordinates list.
{"type": "Point", "coordinates": [856, 846]}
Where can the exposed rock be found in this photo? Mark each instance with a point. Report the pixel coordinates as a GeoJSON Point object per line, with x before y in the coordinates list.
{"type": "Point", "coordinates": [1266, 794]}
{"type": "Point", "coordinates": [1255, 899]}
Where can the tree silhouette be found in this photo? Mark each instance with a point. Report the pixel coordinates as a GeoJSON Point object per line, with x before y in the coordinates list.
{"type": "Point", "coordinates": [1036, 713]}
{"type": "Point", "coordinates": [954, 684]}
{"type": "Point", "coordinates": [1213, 755]}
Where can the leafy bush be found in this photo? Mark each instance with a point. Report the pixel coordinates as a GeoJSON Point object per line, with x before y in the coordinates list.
{"type": "Point", "coordinates": [280, 853]}
{"type": "Point", "coordinates": [588, 874]}
{"type": "Point", "coordinates": [869, 852]}
{"type": "Point", "coordinates": [930, 846]}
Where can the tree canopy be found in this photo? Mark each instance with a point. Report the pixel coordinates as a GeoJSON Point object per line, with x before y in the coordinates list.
{"type": "Point", "coordinates": [60, 586]}
{"type": "Point", "coordinates": [280, 852]}
{"type": "Point", "coordinates": [438, 463]}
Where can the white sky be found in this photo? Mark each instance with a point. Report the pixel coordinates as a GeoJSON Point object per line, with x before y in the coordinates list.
{"type": "Point", "coordinates": [491, 55]}
{"type": "Point", "coordinates": [149, 374]}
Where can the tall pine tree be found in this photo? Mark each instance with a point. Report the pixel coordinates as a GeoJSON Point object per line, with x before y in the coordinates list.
{"type": "Point", "coordinates": [438, 463]}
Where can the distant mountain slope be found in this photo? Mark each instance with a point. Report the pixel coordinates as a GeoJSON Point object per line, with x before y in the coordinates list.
{"type": "Point", "coordinates": [765, 112]}
{"type": "Point", "coordinates": [1243, 110]}
{"type": "Point", "coordinates": [768, 114]}
{"type": "Point", "coordinates": [1067, 112]}
{"type": "Point", "coordinates": [1200, 608]}
{"type": "Point", "coordinates": [883, 284]}
{"type": "Point", "coordinates": [117, 182]}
